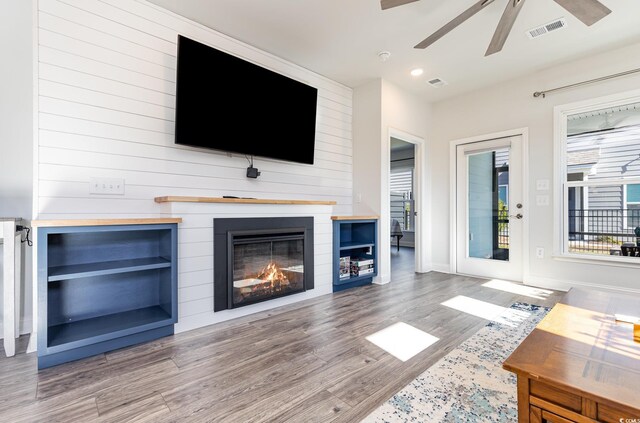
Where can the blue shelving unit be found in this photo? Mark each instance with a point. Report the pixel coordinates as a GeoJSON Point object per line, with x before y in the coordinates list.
{"type": "Point", "coordinates": [104, 287]}
{"type": "Point", "coordinates": [354, 238]}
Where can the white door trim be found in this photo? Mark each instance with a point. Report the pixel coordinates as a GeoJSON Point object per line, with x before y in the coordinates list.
{"type": "Point", "coordinates": [423, 251]}
{"type": "Point", "coordinates": [35, 207]}
{"type": "Point", "coordinates": [453, 145]}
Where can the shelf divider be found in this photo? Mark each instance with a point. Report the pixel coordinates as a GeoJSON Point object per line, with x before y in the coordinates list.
{"type": "Point", "coordinates": [355, 245]}
{"type": "Point", "coordinates": [85, 270]}
{"type": "Point", "coordinates": [89, 329]}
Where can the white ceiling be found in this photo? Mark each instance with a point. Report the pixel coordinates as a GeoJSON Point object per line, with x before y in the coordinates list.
{"type": "Point", "coordinates": [340, 39]}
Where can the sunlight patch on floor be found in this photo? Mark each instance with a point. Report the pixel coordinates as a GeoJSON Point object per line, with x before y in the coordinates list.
{"type": "Point", "coordinates": [487, 310]}
{"type": "Point", "coordinates": [402, 341]}
{"type": "Point", "coordinates": [515, 288]}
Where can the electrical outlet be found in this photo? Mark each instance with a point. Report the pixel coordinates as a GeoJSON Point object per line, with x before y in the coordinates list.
{"type": "Point", "coordinates": [540, 252]}
{"type": "Point", "coordinates": [106, 186]}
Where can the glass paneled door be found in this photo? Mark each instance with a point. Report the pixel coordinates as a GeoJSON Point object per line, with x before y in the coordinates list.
{"type": "Point", "coordinates": [489, 209]}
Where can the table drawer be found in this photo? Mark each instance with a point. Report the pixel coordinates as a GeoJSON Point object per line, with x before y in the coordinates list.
{"type": "Point", "coordinates": [616, 414]}
{"type": "Point", "coordinates": [556, 396]}
{"type": "Point", "coordinates": [552, 418]}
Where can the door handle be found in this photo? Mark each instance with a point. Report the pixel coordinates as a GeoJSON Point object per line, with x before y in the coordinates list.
{"type": "Point", "coordinates": [516, 216]}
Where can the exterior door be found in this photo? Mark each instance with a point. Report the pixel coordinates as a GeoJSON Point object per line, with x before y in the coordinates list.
{"type": "Point", "coordinates": [489, 212]}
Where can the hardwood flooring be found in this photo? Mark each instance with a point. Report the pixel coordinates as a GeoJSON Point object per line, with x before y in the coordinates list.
{"type": "Point", "coordinates": [306, 362]}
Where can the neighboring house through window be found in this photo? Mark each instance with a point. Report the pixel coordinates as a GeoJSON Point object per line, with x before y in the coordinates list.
{"type": "Point", "coordinates": [600, 177]}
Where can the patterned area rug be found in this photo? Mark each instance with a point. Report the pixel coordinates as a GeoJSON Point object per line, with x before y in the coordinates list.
{"type": "Point", "coordinates": [468, 385]}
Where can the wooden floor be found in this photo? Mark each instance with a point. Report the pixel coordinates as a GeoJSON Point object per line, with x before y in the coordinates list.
{"type": "Point", "coordinates": [300, 363]}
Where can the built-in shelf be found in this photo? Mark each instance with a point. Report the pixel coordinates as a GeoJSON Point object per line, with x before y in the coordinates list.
{"type": "Point", "coordinates": [85, 330]}
{"type": "Point", "coordinates": [105, 286]}
{"type": "Point", "coordinates": [86, 270]}
{"type": "Point", "coordinates": [182, 199]}
{"type": "Point", "coordinates": [354, 237]}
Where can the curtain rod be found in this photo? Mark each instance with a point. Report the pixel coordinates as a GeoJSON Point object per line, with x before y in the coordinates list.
{"type": "Point", "coordinates": [543, 94]}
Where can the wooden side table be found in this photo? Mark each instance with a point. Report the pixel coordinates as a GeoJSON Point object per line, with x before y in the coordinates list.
{"type": "Point", "coordinates": [579, 364]}
{"type": "Point", "coordinates": [12, 264]}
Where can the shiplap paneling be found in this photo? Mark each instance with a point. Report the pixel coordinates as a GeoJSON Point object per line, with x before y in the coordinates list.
{"type": "Point", "coordinates": [106, 108]}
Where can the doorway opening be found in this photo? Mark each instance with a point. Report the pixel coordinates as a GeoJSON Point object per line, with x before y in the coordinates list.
{"type": "Point", "coordinates": [402, 206]}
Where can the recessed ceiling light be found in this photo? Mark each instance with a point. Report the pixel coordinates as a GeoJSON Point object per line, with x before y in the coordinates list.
{"type": "Point", "coordinates": [417, 72]}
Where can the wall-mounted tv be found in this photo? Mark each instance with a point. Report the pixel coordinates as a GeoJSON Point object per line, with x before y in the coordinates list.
{"type": "Point", "coordinates": [229, 104]}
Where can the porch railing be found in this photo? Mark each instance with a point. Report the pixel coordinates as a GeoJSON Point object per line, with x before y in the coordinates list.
{"type": "Point", "coordinates": [601, 231]}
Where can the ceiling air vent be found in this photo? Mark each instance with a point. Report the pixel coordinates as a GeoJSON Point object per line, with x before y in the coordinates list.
{"type": "Point", "coordinates": [547, 28]}
{"type": "Point", "coordinates": [437, 83]}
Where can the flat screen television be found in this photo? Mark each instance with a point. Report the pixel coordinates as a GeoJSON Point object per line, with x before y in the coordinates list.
{"type": "Point", "coordinates": [229, 104]}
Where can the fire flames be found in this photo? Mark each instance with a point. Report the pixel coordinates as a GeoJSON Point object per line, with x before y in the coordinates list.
{"type": "Point", "coordinates": [273, 275]}
{"type": "Point", "coordinates": [271, 281]}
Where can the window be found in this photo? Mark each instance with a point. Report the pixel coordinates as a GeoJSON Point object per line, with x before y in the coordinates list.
{"type": "Point", "coordinates": [402, 182]}
{"type": "Point", "coordinates": [632, 204]}
{"type": "Point", "coordinates": [600, 177]}
{"type": "Point", "coordinates": [503, 194]}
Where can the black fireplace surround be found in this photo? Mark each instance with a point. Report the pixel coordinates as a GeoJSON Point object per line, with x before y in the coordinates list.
{"type": "Point", "coordinates": [259, 259]}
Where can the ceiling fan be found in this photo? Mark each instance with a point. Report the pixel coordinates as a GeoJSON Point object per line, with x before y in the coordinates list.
{"type": "Point", "coordinates": [588, 11]}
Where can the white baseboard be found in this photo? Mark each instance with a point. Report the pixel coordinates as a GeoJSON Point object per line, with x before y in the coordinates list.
{"type": "Point", "coordinates": [382, 279]}
{"type": "Point", "coordinates": [426, 269]}
{"type": "Point", "coordinates": [441, 267]}
{"type": "Point", "coordinates": [25, 327]}
{"type": "Point", "coordinates": [564, 285]}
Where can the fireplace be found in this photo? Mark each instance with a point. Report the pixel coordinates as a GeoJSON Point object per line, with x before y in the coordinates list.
{"type": "Point", "coordinates": [266, 266]}
{"type": "Point", "coordinates": [259, 259]}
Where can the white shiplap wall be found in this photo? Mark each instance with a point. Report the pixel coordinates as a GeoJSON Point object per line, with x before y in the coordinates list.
{"type": "Point", "coordinates": [106, 94]}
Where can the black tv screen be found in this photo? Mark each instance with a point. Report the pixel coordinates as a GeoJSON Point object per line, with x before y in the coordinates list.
{"type": "Point", "coordinates": [226, 103]}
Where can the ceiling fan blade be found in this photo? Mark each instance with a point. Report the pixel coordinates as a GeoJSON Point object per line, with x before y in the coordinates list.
{"type": "Point", "coordinates": [388, 4]}
{"type": "Point", "coordinates": [588, 11]}
{"type": "Point", "coordinates": [454, 23]}
{"type": "Point", "coordinates": [504, 26]}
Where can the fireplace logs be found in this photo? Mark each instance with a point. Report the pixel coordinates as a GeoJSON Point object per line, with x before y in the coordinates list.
{"type": "Point", "coordinates": [271, 281]}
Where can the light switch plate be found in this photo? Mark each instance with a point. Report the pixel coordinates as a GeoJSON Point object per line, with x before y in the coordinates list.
{"type": "Point", "coordinates": [542, 185]}
{"type": "Point", "coordinates": [106, 186]}
{"type": "Point", "coordinates": [542, 200]}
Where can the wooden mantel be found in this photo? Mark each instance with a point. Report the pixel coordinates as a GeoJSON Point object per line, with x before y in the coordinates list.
{"type": "Point", "coordinates": [105, 222]}
{"type": "Point", "coordinates": [179, 199]}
